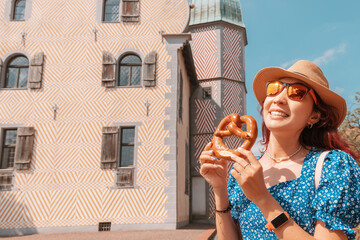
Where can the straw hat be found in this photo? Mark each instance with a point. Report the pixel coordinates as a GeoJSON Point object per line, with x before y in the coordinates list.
{"type": "Point", "coordinates": [307, 72]}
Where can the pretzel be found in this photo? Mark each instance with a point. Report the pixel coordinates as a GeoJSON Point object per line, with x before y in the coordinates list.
{"type": "Point", "coordinates": [233, 123]}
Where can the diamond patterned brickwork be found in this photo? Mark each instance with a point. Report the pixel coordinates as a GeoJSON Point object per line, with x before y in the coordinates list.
{"type": "Point", "coordinates": [204, 52]}
{"type": "Point", "coordinates": [65, 185]}
{"type": "Point", "coordinates": [233, 54]}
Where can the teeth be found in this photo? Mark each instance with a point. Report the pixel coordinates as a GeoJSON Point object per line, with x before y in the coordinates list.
{"type": "Point", "coordinates": [275, 113]}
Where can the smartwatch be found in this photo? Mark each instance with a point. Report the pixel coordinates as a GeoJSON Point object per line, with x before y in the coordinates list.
{"type": "Point", "coordinates": [278, 221]}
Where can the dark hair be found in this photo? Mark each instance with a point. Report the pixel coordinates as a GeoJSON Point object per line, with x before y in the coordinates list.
{"type": "Point", "coordinates": [323, 134]}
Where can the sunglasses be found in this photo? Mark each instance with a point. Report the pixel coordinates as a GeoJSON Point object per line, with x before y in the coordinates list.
{"type": "Point", "coordinates": [295, 91]}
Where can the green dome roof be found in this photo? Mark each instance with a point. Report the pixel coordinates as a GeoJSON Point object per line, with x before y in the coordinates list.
{"type": "Point", "coordinates": [206, 11]}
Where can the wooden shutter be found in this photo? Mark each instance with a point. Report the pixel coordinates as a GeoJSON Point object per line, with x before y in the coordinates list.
{"type": "Point", "coordinates": [35, 71]}
{"type": "Point", "coordinates": [149, 70]}
{"type": "Point", "coordinates": [109, 147]}
{"type": "Point", "coordinates": [130, 10]}
{"type": "Point", "coordinates": [24, 147]}
{"type": "Point", "coordinates": [108, 72]}
{"type": "Point", "coordinates": [125, 177]}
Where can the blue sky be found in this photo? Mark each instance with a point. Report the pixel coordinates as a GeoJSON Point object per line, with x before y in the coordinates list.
{"type": "Point", "coordinates": [280, 32]}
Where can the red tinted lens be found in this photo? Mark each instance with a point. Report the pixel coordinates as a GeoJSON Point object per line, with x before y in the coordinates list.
{"type": "Point", "coordinates": [273, 88]}
{"type": "Point", "coordinates": [297, 92]}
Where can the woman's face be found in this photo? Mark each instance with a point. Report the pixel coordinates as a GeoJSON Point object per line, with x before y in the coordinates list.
{"type": "Point", "coordinates": [282, 114]}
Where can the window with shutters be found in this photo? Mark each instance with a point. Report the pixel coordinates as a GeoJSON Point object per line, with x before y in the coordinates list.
{"type": "Point", "coordinates": [130, 70]}
{"type": "Point", "coordinates": [111, 11]}
{"type": "Point", "coordinates": [16, 73]}
{"type": "Point", "coordinates": [19, 10]}
{"type": "Point", "coordinates": [130, 11]}
{"type": "Point", "coordinates": [16, 153]}
{"type": "Point", "coordinates": [119, 153]}
{"type": "Point", "coordinates": [125, 172]}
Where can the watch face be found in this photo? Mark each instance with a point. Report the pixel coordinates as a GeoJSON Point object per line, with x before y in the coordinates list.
{"type": "Point", "coordinates": [279, 220]}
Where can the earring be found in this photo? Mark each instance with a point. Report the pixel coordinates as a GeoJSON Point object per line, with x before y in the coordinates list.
{"type": "Point", "coordinates": [310, 125]}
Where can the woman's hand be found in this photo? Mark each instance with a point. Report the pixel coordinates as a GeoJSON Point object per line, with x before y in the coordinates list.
{"type": "Point", "coordinates": [249, 174]}
{"type": "Point", "coordinates": [212, 169]}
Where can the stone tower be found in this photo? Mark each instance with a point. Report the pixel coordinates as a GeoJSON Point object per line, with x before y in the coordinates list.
{"type": "Point", "coordinates": [218, 43]}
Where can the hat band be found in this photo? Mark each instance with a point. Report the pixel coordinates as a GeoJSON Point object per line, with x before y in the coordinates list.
{"type": "Point", "coordinates": [301, 74]}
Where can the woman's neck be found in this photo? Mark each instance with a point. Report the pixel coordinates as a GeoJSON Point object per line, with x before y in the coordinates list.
{"type": "Point", "coordinates": [280, 147]}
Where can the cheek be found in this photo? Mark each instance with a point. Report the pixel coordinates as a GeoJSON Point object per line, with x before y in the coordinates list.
{"type": "Point", "coordinates": [266, 105]}
{"type": "Point", "coordinates": [303, 111]}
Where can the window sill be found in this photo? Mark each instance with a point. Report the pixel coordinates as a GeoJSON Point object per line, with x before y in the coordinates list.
{"type": "Point", "coordinates": [13, 189]}
{"type": "Point", "coordinates": [110, 22]}
{"type": "Point", "coordinates": [3, 89]}
{"type": "Point", "coordinates": [133, 86]}
{"type": "Point", "coordinates": [125, 187]}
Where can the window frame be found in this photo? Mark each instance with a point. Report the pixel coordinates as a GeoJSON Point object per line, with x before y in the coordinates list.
{"type": "Point", "coordinates": [137, 143]}
{"type": "Point", "coordinates": [9, 11]}
{"type": "Point", "coordinates": [4, 74]}
{"type": "Point", "coordinates": [207, 92]}
{"type": "Point", "coordinates": [127, 144]}
{"type": "Point", "coordinates": [13, 11]}
{"type": "Point", "coordinates": [103, 13]}
{"type": "Point", "coordinates": [118, 70]}
{"type": "Point", "coordinates": [7, 171]}
{"type": "Point", "coordinates": [2, 142]}
{"type": "Point", "coordinates": [122, 170]}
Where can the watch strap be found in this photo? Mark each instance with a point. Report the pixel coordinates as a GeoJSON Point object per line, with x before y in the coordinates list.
{"type": "Point", "coordinates": [279, 219]}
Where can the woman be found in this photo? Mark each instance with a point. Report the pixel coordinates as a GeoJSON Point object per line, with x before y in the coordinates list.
{"type": "Point", "coordinates": [274, 197]}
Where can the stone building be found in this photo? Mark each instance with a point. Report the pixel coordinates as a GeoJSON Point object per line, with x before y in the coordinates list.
{"type": "Point", "coordinates": [105, 106]}
{"type": "Point", "coordinates": [218, 44]}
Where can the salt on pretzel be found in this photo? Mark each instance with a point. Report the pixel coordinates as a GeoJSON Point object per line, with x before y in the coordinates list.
{"type": "Point", "coordinates": [231, 125]}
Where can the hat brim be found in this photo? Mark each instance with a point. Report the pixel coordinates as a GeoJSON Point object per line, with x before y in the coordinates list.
{"type": "Point", "coordinates": [274, 73]}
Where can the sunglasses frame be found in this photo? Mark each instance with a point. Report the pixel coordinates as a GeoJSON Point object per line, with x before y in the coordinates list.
{"type": "Point", "coordinates": [287, 85]}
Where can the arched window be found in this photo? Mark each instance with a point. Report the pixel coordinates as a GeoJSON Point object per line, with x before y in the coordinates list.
{"type": "Point", "coordinates": [130, 71]}
{"type": "Point", "coordinates": [111, 11]}
{"type": "Point", "coordinates": [17, 72]}
{"type": "Point", "coordinates": [19, 10]}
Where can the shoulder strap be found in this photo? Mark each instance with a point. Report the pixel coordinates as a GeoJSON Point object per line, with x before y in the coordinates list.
{"type": "Point", "coordinates": [318, 168]}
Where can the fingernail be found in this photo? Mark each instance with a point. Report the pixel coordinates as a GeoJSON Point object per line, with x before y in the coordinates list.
{"type": "Point", "coordinates": [211, 151]}
{"type": "Point", "coordinates": [214, 158]}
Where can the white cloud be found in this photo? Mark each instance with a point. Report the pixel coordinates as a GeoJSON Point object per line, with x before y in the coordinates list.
{"type": "Point", "coordinates": [330, 54]}
{"type": "Point", "coordinates": [288, 63]}
{"type": "Point", "coordinates": [339, 90]}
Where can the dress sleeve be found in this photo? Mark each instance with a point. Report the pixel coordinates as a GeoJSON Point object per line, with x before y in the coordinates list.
{"type": "Point", "coordinates": [337, 198]}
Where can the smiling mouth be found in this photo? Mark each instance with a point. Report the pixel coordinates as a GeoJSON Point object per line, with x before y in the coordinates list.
{"type": "Point", "coordinates": [276, 113]}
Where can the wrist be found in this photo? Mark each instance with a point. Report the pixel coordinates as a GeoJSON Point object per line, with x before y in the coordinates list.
{"type": "Point", "coordinates": [224, 210]}
{"type": "Point", "coordinates": [264, 201]}
{"type": "Point", "coordinates": [221, 199]}
{"type": "Point", "coordinates": [269, 207]}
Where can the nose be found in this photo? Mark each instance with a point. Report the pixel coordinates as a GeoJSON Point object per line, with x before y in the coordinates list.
{"type": "Point", "coordinates": [281, 98]}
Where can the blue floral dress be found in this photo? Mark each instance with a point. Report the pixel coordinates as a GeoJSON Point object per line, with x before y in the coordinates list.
{"type": "Point", "coordinates": [336, 201]}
